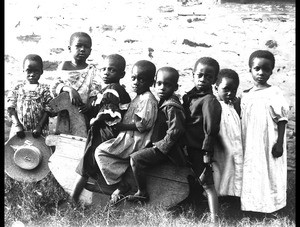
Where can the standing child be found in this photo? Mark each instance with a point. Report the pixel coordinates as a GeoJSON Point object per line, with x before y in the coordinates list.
{"type": "Point", "coordinates": [136, 129]}
{"type": "Point", "coordinates": [228, 149]}
{"type": "Point", "coordinates": [77, 78]}
{"type": "Point", "coordinates": [264, 112]}
{"type": "Point", "coordinates": [203, 114]}
{"type": "Point", "coordinates": [168, 128]}
{"type": "Point", "coordinates": [111, 105]}
{"type": "Point", "coordinates": [27, 102]}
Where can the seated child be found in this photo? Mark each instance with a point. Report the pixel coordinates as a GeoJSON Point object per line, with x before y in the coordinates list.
{"type": "Point", "coordinates": [228, 149]}
{"type": "Point", "coordinates": [168, 128]}
{"type": "Point", "coordinates": [203, 114]}
{"type": "Point", "coordinates": [79, 79]}
{"type": "Point", "coordinates": [136, 128]}
{"type": "Point", "coordinates": [27, 102]}
{"type": "Point", "coordinates": [111, 105]}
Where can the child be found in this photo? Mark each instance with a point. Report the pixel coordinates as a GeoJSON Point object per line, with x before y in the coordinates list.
{"type": "Point", "coordinates": [168, 128]}
{"type": "Point", "coordinates": [264, 112]}
{"type": "Point", "coordinates": [203, 114]}
{"type": "Point", "coordinates": [112, 103]}
{"type": "Point", "coordinates": [136, 129]}
{"type": "Point", "coordinates": [228, 149]}
{"type": "Point", "coordinates": [28, 101]}
{"type": "Point", "coordinates": [77, 78]}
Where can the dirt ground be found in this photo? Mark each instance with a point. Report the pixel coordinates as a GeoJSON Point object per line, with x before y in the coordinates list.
{"type": "Point", "coordinates": [166, 32]}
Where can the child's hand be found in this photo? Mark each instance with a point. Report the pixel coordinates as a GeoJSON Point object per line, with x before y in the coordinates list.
{"type": "Point", "coordinates": [74, 96]}
{"type": "Point", "coordinates": [37, 132]}
{"type": "Point", "coordinates": [84, 108]}
{"type": "Point", "coordinates": [277, 150]}
{"type": "Point", "coordinates": [20, 131]}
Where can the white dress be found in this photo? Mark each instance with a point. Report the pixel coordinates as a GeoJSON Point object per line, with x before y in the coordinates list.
{"type": "Point", "coordinates": [112, 156]}
{"type": "Point", "coordinates": [264, 177]}
{"type": "Point", "coordinates": [228, 153]}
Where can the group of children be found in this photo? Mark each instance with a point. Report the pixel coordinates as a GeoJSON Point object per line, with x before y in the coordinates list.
{"type": "Point", "coordinates": [235, 145]}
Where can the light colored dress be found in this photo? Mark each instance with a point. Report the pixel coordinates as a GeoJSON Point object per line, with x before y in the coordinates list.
{"type": "Point", "coordinates": [264, 177]}
{"type": "Point", "coordinates": [87, 82]}
{"type": "Point", "coordinates": [112, 156]}
{"type": "Point", "coordinates": [30, 101]}
{"type": "Point", "coordinates": [228, 153]}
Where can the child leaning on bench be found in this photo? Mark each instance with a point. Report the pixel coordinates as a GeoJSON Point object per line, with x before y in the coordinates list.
{"type": "Point", "coordinates": [203, 114]}
{"type": "Point", "coordinates": [168, 128]}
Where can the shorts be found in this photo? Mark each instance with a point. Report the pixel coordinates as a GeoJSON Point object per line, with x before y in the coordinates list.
{"type": "Point", "coordinates": [203, 171]}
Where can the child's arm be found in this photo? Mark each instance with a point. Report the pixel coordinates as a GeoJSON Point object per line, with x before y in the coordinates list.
{"type": "Point", "coordinates": [74, 95]}
{"type": "Point", "coordinates": [277, 149]}
{"type": "Point", "coordinates": [14, 117]}
{"type": "Point", "coordinates": [38, 130]}
{"type": "Point", "coordinates": [125, 127]}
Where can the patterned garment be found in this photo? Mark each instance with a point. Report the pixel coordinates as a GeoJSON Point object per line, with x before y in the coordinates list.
{"type": "Point", "coordinates": [264, 177]}
{"type": "Point", "coordinates": [228, 153]}
{"type": "Point", "coordinates": [112, 156]}
{"type": "Point", "coordinates": [87, 82]}
{"type": "Point", "coordinates": [30, 102]}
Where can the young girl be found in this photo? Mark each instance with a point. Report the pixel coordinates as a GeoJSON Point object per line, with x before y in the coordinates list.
{"type": "Point", "coordinates": [27, 102]}
{"type": "Point", "coordinates": [78, 78]}
{"type": "Point", "coordinates": [136, 128]}
{"type": "Point", "coordinates": [228, 148]}
{"type": "Point", "coordinates": [111, 104]}
{"type": "Point", "coordinates": [264, 114]}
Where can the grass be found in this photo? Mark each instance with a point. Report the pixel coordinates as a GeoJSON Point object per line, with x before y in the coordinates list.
{"type": "Point", "coordinates": [36, 204]}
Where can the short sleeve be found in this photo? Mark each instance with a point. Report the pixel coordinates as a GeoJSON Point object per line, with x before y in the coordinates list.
{"type": "Point", "coordinates": [279, 107]}
{"type": "Point", "coordinates": [146, 113]}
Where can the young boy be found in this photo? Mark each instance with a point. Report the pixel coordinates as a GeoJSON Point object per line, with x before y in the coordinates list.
{"type": "Point", "coordinates": [168, 128]}
{"type": "Point", "coordinates": [203, 114]}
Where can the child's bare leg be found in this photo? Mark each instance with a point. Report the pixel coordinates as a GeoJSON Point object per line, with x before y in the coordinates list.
{"type": "Point", "coordinates": [78, 187]}
{"type": "Point", "coordinates": [140, 178]}
{"type": "Point", "coordinates": [213, 201]}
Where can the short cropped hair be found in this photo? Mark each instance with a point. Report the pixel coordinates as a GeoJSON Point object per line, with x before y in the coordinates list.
{"type": "Point", "coordinates": [34, 57]}
{"type": "Point", "coordinates": [262, 54]}
{"type": "Point", "coordinates": [208, 61]}
{"type": "Point", "coordinates": [148, 68]}
{"type": "Point", "coordinates": [228, 73]}
{"type": "Point", "coordinates": [119, 59]}
{"type": "Point", "coordinates": [174, 72]}
{"type": "Point", "coordinates": [79, 34]}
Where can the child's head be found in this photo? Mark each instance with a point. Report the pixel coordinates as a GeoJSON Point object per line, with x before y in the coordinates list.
{"type": "Point", "coordinates": [80, 46]}
{"type": "Point", "coordinates": [166, 82]}
{"type": "Point", "coordinates": [205, 73]}
{"type": "Point", "coordinates": [113, 68]}
{"type": "Point", "coordinates": [261, 64]}
{"type": "Point", "coordinates": [143, 73]}
{"type": "Point", "coordinates": [33, 67]}
{"type": "Point", "coordinates": [227, 84]}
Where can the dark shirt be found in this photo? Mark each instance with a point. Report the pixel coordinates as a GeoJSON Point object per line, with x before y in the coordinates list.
{"type": "Point", "coordinates": [169, 125]}
{"type": "Point", "coordinates": [203, 116]}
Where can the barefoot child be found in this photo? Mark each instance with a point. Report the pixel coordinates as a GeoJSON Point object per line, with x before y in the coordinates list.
{"type": "Point", "coordinates": [111, 104]}
{"type": "Point", "coordinates": [79, 79]}
{"type": "Point", "coordinates": [203, 113]}
{"type": "Point", "coordinates": [228, 149]}
{"type": "Point", "coordinates": [27, 102]}
{"type": "Point", "coordinates": [136, 129]}
{"type": "Point", "coordinates": [168, 128]}
{"type": "Point", "coordinates": [264, 112]}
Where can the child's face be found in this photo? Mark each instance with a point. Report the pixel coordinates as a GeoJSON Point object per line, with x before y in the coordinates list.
{"type": "Point", "coordinates": [80, 48]}
{"type": "Point", "coordinates": [33, 70]}
{"type": "Point", "coordinates": [227, 89]}
{"type": "Point", "coordinates": [261, 70]}
{"type": "Point", "coordinates": [110, 72]}
{"type": "Point", "coordinates": [204, 77]}
{"type": "Point", "coordinates": [140, 81]}
{"type": "Point", "coordinates": [165, 84]}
